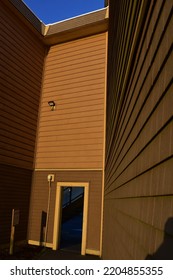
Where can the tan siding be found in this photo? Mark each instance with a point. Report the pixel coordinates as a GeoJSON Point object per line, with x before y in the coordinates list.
{"type": "Point", "coordinates": [138, 192]}
{"type": "Point", "coordinates": [39, 203]}
{"type": "Point", "coordinates": [93, 42]}
{"type": "Point", "coordinates": [22, 58]}
{"type": "Point", "coordinates": [75, 79]}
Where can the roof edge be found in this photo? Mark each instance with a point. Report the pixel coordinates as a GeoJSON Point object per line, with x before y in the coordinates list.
{"type": "Point", "coordinates": [76, 33]}
{"type": "Point", "coordinates": [76, 17]}
{"type": "Point", "coordinates": [70, 29]}
{"type": "Point", "coordinates": [76, 27]}
{"type": "Point", "coordinates": [28, 14]}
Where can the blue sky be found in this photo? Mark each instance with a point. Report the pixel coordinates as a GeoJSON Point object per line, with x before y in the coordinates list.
{"type": "Point", "coordinates": [50, 11]}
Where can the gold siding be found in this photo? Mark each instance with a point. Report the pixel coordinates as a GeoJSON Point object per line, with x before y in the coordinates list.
{"type": "Point", "coordinates": [74, 77]}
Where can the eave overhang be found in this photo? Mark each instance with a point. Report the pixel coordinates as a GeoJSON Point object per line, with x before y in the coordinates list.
{"type": "Point", "coordinates": [63, 31]}
{"type": "Point", "coordinates": [78, 27]}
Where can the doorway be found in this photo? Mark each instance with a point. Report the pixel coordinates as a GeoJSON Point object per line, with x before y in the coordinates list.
{"type": "Point", "coordinates": [66, 193]}
{"type": "Point", "coordinates": [72, 218]}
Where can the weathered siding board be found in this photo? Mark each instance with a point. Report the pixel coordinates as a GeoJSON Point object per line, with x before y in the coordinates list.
{"type": "Point", "coordinates": [22, 59]}
{"type": "Point", "coordinates": [74, 78]}
{"type": "Point", "coordinates": [39, 202]}
{"type": "Point", "coordinates": [139, 153]}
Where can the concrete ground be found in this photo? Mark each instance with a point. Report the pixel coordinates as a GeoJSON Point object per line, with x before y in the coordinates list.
{"type": "Point", "coordinates": [49, 254]}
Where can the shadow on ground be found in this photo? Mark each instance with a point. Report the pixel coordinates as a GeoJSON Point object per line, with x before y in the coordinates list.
{"type": "Point", "coordinates": [26, 252]}
{"type": "Point", "coordinates": [29, 252]}
{"type": "Point", "coordinates": [49, 254]}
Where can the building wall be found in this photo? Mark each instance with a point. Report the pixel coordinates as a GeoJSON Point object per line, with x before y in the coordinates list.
{"type": "Point", "coordinates": [15, 188]}
{"type": "Point", "coordinates": [138, 203]}
{"type": "Point", "coordinates": [21, 66]}
{"type": "Point", "coordinates": [39, 202]}
{"type": "Point", "coordinates": [72, 135]}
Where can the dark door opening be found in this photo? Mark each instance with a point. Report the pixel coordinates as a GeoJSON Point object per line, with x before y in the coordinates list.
{"type": "Point", "coordinates": [72, 218]}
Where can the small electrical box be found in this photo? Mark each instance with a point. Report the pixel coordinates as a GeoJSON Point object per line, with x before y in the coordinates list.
{"type": "Point", "coordinates": [51, 178]}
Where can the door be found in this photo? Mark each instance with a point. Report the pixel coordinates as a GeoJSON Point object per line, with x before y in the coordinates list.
{"type": "Point", "coordinates": [72, 218]}
{"type": "Point", "coordinates": [58, 213]}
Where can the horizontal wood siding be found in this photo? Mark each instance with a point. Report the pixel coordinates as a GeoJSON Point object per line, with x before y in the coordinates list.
{"type": "Point", "coordinates": [138, 206]}
{"type": "Point", "coordinates": [72, 135]}
{"type": "Point", "coordinates": [21, 67]}
{"type": "Point", "coordinates": [15, 186]}
{"type": "Point", "coordinates": [39, 202]}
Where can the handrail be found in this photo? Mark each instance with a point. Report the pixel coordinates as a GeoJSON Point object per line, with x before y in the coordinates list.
{"type": "Point", "coordinates": [71, 200]}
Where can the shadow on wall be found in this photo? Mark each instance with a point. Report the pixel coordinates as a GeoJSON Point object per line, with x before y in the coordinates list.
{"type": "Point", "coordinates": [43, 225]}
{"type": "Point", "coordinates": [165, 251]}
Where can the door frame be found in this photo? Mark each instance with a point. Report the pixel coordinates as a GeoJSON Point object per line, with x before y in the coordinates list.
{"type": "Point", "coordinates": [58, 213]}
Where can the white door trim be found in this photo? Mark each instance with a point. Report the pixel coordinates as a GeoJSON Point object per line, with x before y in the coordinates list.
{"type": "Point", "coordinates": [58, 210]}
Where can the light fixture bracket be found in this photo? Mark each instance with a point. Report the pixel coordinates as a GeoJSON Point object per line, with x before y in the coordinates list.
{"type": "Point", "coordinates": [52, 105]}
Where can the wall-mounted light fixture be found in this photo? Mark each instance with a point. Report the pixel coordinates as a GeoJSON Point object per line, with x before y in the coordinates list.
{"type": "Point", "coordinates": [52, 105]}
